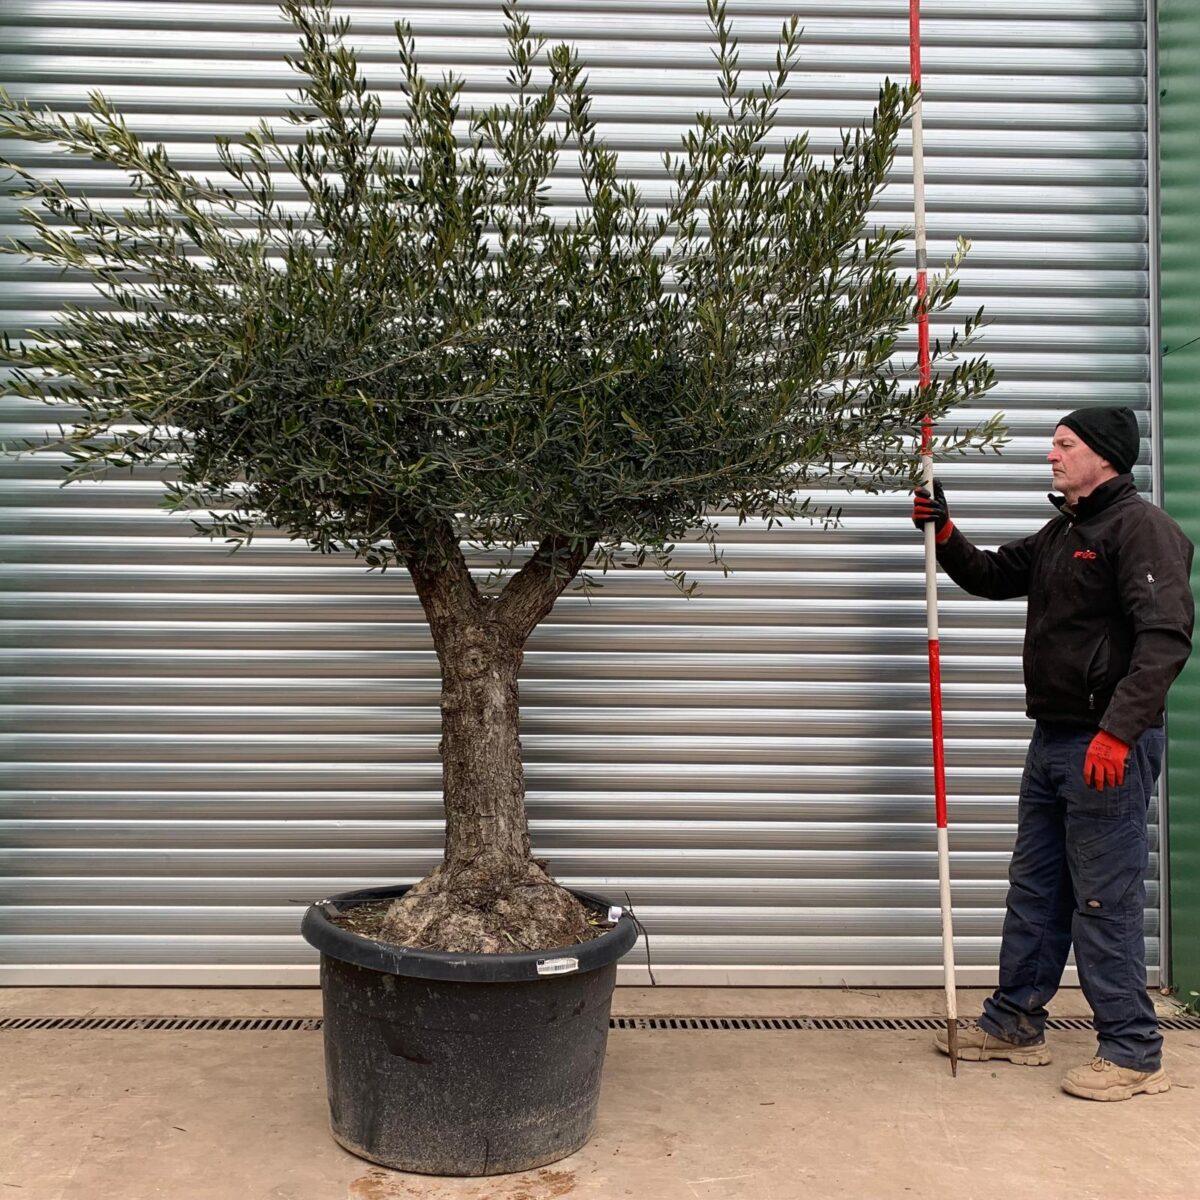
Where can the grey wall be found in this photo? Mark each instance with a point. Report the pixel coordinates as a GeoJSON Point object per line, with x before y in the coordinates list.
{"type": "Point", "coordinates": [196, 745]}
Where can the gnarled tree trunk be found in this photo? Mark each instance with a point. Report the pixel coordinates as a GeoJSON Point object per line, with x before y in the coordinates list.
{"type": "Point", "coordinates": [488, 895]}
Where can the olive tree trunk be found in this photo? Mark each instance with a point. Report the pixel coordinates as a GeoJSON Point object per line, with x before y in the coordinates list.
{"type": "Point", "coordinates": [488, 895]}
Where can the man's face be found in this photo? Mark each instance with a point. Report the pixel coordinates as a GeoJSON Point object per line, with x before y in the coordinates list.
{"type": "Point", "coordinates": [1076, 468]}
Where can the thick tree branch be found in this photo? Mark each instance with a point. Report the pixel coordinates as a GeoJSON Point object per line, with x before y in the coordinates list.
{"type": "Point", "coordinates": [530, 594]}
{"type": "Point", "coordinates": [443, 581]}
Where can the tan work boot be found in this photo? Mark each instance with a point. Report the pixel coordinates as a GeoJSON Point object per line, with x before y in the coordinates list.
{"type": "Point", "coordinates": [1103, 1080]}
{"type": "Point", "coordinates": [977, 1045]}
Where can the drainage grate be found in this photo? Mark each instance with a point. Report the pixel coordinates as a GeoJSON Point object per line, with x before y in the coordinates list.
{"type": "Point", "coordinates": [218, 1024]}
{"type": "Point", "coordinates": [710, 1024]}
{"type": "Point", "coordinates": [766, 1024]}
{"type": "Point", "coordinates": [843, 1024]}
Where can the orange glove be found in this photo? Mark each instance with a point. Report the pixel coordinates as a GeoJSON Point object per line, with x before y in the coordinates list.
{"type": "Point", "coordinates": [1105, 762]}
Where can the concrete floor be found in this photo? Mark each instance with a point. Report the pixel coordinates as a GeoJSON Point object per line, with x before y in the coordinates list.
{"type": "Point", "coordinates": [684, 1116]}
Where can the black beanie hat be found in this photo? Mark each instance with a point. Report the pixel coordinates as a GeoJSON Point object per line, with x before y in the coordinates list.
{"type": "Point", "coordinates": [1111, 432]}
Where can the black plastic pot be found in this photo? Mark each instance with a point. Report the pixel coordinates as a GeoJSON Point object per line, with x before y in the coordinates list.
{"type": "Point", "coordinates": [462, 1064]}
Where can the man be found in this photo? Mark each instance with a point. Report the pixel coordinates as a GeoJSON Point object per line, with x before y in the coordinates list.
{"type": "Point", "coordinates": [1108, 629]}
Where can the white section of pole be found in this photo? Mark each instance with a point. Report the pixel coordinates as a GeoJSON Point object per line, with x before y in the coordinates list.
{"type": "Point", "coordinates": [943, 844]}
{"type": "Point", "coordinates": [931, 594]}
{"type": "Point", "coordinates": [918, 161]}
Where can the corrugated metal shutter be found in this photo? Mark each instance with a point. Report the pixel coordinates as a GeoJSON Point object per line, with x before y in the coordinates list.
{"type": "Point", "coordinates": [197, 745]}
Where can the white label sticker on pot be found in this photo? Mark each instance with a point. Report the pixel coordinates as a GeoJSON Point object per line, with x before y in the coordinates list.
{"type": "Point", "coordinates": [614, 914]}
{"type": "Point", "coordinates": [557, 966]}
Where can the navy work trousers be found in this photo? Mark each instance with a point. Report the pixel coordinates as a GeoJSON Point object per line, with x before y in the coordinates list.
{"type": "Point", "coordinates": [1078, 876]}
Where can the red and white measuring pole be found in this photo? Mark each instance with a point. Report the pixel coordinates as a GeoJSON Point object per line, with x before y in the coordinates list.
{"type": "Point", "coordinates": [931, 603]}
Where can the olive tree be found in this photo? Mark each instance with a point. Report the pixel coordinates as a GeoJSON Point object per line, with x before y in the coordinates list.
{"type": "Point", "coordinates": [393, 349]}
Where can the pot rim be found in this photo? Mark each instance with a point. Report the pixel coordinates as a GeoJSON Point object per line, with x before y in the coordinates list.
{"type": "Point", "coordinates": [319, 930]}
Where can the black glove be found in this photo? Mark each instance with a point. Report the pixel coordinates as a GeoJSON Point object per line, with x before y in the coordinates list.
{"type": "Point", "coordinates": [933, 508]}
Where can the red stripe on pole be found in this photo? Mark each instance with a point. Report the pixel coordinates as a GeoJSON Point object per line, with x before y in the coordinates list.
{"type": "Point", "coordinates": [939, 750]}
{"type": "Point", "coordinates": [914, 41]}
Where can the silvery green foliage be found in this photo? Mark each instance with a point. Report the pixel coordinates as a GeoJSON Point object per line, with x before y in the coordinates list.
{"type": "Point", "coordinates": [422, 343]}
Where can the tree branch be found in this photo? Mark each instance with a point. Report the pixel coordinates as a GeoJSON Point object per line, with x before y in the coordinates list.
{"type": "Point", "coordinates": [440, 574]}
{"type": "Point", "coordinates": [530, 594]}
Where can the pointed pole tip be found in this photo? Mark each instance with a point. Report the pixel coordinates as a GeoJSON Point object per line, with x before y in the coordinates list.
{"type": "Point", "coordinates": [952, 1044]}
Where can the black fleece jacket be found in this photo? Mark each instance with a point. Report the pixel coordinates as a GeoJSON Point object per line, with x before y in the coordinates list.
{"type": "Point", "coordinates": [1110, 616]}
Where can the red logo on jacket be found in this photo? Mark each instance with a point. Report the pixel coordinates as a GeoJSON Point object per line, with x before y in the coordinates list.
{"type": "Point", "coordinates": [1085, 554]}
